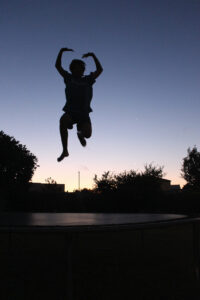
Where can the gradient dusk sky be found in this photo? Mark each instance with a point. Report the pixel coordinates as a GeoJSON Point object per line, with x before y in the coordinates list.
{"type": "Point", "coordinates": [146, 102]}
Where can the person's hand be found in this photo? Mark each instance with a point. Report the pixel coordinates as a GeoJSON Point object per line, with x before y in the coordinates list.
{"type": "Point", "coordinates": [88, 54]}
{"type": "Point", "coordinates": [66, 49]}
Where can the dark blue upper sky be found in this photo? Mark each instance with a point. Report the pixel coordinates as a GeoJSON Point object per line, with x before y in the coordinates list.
{"type": "Point", "coordinates": [146, 102]}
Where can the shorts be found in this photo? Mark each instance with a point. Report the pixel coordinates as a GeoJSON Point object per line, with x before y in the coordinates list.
{"type": "Point", "coordinates": [78, 118]}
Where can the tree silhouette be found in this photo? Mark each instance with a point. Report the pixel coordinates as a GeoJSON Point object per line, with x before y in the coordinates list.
{"type": "Point", "coordinates": [190, 170]}
{"type": "Point", "coordinates": [153, 171]}
{"type": "Point", "coordinates": [130, 180]}
{"type": "Point", "coordinates": [50, 181]}
{"type": "Point", "coordinates": [17, 164]}
{"type": "Point", "coordinates": [105, 183]}
{"type": "Point", "coordinates": [125, 180]}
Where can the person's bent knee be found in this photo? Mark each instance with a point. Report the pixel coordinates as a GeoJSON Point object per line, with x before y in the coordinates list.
{"type": "Point", "coordinates": [66, 122]}
{"type": "Point", "coordinates": [87, 132]}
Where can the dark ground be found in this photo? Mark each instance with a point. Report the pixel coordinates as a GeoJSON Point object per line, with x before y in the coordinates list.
{"type": "Point", "coordinates": [143, 265]}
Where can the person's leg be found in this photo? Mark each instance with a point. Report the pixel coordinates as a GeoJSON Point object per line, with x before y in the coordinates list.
{"type": "Point", "coordinates": [84, 131]}
{"type": "Point", "coordinates": [65, 124]}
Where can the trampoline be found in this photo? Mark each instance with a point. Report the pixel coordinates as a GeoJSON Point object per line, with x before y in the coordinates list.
{"type": "Point", "coordinates": [77, 236]}
{"type": "Point", "coordinates": [84, 221]}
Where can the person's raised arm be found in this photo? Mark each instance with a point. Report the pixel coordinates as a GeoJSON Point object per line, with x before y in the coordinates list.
{"type": "Point", "coordinates": [58, 63]}
{"type": "Point", "coordinates": [99, 68]}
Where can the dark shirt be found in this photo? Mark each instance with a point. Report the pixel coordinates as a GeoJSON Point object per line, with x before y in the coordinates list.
{"type": "Point", "coordinates": [78, 93]}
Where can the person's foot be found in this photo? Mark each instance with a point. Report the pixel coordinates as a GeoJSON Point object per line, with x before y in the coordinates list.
{"type": "Point", "coordinates": [63, 155]}
{"type": "Point", "coordinates": [81, 138]}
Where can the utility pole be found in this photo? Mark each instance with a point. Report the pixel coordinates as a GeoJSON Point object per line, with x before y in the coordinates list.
{"type": "Point", "coordinates": [79, 183]}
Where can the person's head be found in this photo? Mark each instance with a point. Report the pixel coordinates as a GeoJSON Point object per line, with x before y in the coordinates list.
{"type": "Point", "coordinates": [77, 67]}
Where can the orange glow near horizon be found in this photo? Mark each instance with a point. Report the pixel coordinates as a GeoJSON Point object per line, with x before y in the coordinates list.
{"type": "Point", "coordinates": [71, 182]}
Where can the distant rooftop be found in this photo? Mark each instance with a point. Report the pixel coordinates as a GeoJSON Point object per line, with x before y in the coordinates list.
{"type": "Point", "coordinates": [46, 187]}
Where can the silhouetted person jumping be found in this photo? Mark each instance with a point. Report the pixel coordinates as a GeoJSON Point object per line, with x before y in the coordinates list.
{"type": "Point", "coordinates": [78, 93]}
